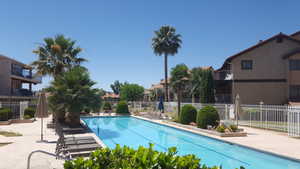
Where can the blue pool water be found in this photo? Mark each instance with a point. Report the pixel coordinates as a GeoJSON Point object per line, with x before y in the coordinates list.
{"type": "Point", "coordinates": [135, 132]}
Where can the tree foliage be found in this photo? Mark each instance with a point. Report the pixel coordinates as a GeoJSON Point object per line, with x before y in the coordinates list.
{"type": "Point", "coordinates": [179, 80]}
{"type": "Point", "coordinates": [73, 92]}
{"type": "Point", "coordinates": [132, 92]}
{"type": "Point", "coordinates": [166, 41]}
{"type": "Point", "coordinates": [57, 55]}
{"type": "Point", "coordinates": [207, 90]}
{"type": "Point", "coordinates": [195, 81]}
{"type": "Point", "coordinates": [116, 87]}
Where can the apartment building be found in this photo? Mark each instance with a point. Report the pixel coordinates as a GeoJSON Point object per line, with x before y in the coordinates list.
{"type": "Point", "coordinates": [267, 72]}
{"type": "Point", "coordinates": [16, 80]}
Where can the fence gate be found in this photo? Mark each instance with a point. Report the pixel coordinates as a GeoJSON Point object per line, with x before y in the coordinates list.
{"type": "Point", "coordinates": [23, 106]}
{"type": "Point", "coordinates": [294, 121]}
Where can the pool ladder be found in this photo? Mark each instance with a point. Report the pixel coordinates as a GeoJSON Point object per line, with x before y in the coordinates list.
{"type": "Point", "coordinates": [44, 152]}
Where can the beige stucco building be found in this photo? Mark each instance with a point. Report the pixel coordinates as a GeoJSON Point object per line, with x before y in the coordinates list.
{"type": "Point", "coordinates": [267, 72]}
{"type": "Point", "coordinates": [16, 80]}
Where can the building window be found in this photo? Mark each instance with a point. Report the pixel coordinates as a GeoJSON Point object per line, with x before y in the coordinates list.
{"type": "Point", "coordinates": [247, 64]}
{"type": "Point", "coordinates": [295, 64]}
{"type": "Point", "coordinates": [295, 92]}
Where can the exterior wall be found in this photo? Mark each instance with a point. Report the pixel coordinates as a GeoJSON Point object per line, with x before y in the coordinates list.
{"type": "Point", "coordinates": [294, 75]}
{"type": "Point", "coordinates": [254, 93]}
{"type": "Point", "coordinates": [297, 36]}
{"type": "Point", "coordinates": [268, 65]}
{"type": "Point", "coordinates": [267, 61]}
{"type": "Point", "coordinates": [5, 80]}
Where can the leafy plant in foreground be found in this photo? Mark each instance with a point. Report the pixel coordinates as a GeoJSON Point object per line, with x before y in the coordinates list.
{"type": "Point", "coordinates": [142, 158]}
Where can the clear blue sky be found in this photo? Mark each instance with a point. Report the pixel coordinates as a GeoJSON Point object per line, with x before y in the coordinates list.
{"type": "Point", "coordinates": [116, 34]}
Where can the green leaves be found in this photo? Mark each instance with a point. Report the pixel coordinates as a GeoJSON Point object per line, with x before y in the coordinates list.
{"type": "Point", "coordinates": [142, 158]}
{"type": "Point", "coordinates": [73, 92]}
{"type": "Point", "coordinates": [179, 77]}
{"type": "Point", "coordinates": [207, 94]}
{"type": "Point", "coordinates": [166, 41]}
{"type": "Point", "coordinates": [57, 55]}
{"type": "Point", "coordinates": [131, 92]}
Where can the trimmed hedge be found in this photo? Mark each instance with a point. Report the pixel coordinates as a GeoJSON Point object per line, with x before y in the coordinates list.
{"type": "Point", "coordinates": [208, 115]}
{"type": "Point", "coordinates": [142, 158]}
{"type": "Point", "coordinates": [5, 114]}
{"type": "Point", "coordinates": [29, 112]}
{"type": "Point", "coordinates": [122, 108]}
{"type": "Point", "coordinates": [188, 114]}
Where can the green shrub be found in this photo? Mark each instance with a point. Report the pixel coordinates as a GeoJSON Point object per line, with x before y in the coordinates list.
{"type": "Point", "coordinates": [107, 106]}
{"type": "Point", "coordinates": [146, 158]}
{"type": "Point", "coordinates": [188, 114]}
{"type": "Point", "coordinates": [233, 128]}
{"type": "Point", "coordinates": [221, 128]}
{"type": "Point", "coordinates": [208, 115]}
{"type": "Point", "coordinates": [26, 116]}
{"type": "Point", "coordinates": [122, 108]}
{"type": "Point", "coordinates": [5, 114]}
{"type": "Point", "coordinates": [29, 111]}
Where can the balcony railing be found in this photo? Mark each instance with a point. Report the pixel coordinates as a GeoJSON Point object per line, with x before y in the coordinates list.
{"type": "Point", "coordinates": [22, 73]}
{"type": "Point", "coordinates": [22, 92]}
{"type": "Point", "coordinates": [27, 74]}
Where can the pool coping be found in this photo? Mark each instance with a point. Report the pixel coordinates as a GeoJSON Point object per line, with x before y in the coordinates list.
{"type": "Point", "coordinates": [165, 123]}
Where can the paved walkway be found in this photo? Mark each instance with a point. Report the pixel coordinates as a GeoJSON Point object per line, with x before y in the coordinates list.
{"type": "Point", "coordinates": [14, 156]}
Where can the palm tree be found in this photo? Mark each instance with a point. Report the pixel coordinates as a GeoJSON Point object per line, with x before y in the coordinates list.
{"type": "Point", "coordinates": [73, 91]}
{"type": "Point", "coordinates": [57, 55]}
{"type": "Point", "coordinates": [179, 80]}
{"type": "Point", "coordinates": [195, 82]}
{"type": "Point", "coordinates": [166, 42]}
{"type": "Point", "coordinates": [116, 87]}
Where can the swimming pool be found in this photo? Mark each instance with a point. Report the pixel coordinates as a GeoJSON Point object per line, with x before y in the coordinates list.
{"type": "Point", "coordinates": [134, 132]}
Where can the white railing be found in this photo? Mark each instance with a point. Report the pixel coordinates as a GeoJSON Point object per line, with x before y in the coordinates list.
{"type": "Point", "coordinates": [272, 117]}
{"type": "Point", "coordinates": [294, 121]}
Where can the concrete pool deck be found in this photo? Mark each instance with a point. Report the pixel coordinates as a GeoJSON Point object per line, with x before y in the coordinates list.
{"type": "Point", "coordinates": [15, 155]}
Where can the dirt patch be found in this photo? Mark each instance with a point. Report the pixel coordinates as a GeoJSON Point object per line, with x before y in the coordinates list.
{"type": "Point", "coordinates": [10, 134]}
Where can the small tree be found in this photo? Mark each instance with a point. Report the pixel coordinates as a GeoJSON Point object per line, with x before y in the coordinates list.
{"type": "Point", "coordinates": [195, 82]}
{"type": "Point", "coordinates": [179, 80]}
{"type": "Point", "coordinates": [207, 92]}
{"type": "Point", "coordinates": [73, 92]}
{"type": "Point", "coordinates": [132, 92]}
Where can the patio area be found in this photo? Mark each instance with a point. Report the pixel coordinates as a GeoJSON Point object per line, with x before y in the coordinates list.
{"type": "Point", "coordinates": [15, 155]}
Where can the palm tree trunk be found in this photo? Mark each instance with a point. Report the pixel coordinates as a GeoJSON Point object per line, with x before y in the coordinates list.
{"type": "Point", "coordinates": [166, 79]}
{"type": "Point", "coordinates": [178, 102]}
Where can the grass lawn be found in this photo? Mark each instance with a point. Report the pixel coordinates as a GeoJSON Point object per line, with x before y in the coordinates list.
{"type": "Point", "coordinates": [4, 144]}
{"type": "Point", "coordinates": [9, 134]}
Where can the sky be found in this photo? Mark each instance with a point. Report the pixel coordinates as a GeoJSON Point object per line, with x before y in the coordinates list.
{"type": "Point", "coordinates": [116, 34]}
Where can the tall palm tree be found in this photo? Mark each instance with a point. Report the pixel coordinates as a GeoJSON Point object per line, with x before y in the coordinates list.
{"type": "Point", "coordinates": [56, 55]}
{"type": "Point", "coordinates": [179, 80]}
{"type": "Point", "coordinates": [166, 42]}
